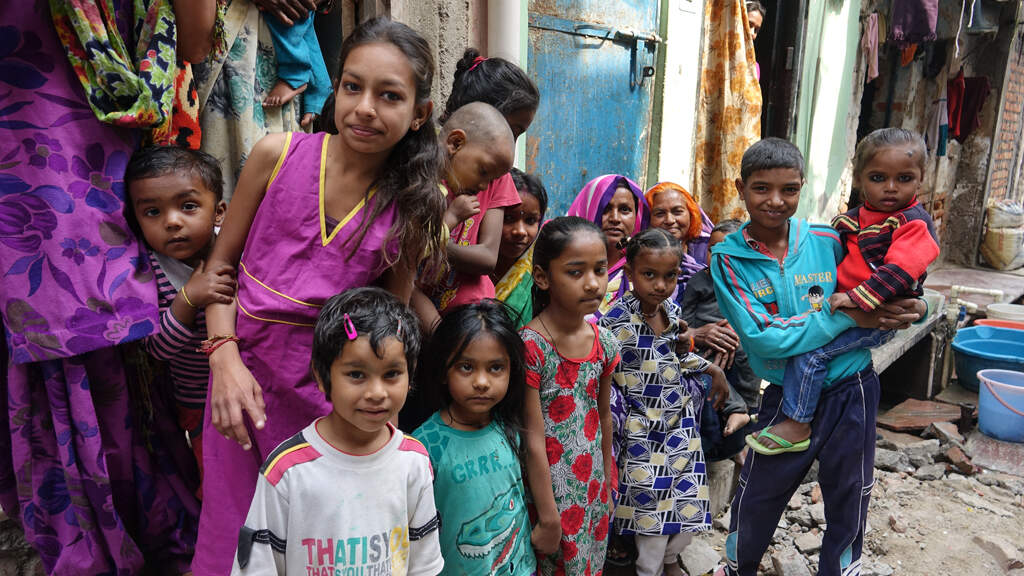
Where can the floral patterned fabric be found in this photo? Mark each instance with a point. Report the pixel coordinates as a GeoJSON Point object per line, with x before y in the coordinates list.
{"type": "Point", "coordinates": [572, 427]}
{"type": "Point", "coordinates": [728, 108]}
{"type": "Point", "coordinates": [662, 481]}
{"type": "Point", "coordinates": [95, 490]}
{"type": "Point", "coordinates": [233, 81]}
{"type": "Point", "coordinates": [140, 88]}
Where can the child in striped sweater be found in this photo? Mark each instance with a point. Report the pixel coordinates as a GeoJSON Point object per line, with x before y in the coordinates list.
{"type": "Point", "coordinates": [175, 200]}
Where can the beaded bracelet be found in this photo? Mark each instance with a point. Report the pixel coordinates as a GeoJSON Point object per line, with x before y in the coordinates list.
{"type": "Point", "coordinates": [210, 345]}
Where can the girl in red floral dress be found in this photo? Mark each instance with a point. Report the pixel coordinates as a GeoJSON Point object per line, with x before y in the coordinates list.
{"type": "Point", "coordinates": [566, 413]}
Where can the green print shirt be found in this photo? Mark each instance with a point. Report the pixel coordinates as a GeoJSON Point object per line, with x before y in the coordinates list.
{"type": "Point", "coordinates": [478, 487]}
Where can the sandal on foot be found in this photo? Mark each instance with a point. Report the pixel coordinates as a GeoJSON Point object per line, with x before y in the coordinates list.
{"type": "Point", "coordinates": [783, 444]}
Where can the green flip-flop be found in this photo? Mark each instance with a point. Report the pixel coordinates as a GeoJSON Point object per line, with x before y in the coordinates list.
{"type": "Point", "coordinates": [784, 445]}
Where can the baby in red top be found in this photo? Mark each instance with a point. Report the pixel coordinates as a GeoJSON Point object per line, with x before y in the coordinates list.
{"type": "Point", "coordinates": [889, 242]}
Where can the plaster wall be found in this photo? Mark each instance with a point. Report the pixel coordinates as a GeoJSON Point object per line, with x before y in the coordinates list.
{"type": "Point", "coordinates": [682, 80]}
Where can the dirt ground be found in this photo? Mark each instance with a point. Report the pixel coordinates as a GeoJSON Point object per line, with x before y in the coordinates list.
{"type": "Point", "coordinates": [918, 528]}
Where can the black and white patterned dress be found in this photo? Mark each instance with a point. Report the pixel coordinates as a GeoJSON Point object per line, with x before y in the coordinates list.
{"type": "Point", "coordinates": [663, 485]}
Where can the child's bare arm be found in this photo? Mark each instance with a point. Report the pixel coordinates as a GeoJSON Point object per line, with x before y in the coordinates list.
{"type": "Point", "coordinates": [233, 390]}
{"type": "Point", "coordinates": [604, 408]}
{"type": "Point", "coordinates": [424, 310]}
{"type": "Point", "coordinates": [481, 257]}
{"type": "Point", "coordinates": [548, 531]}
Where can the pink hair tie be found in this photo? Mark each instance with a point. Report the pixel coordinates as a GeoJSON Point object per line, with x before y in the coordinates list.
{"type": "Point", "coordinates": [476, 62]}
{"type": "Point", "coordinates": [350, 328]}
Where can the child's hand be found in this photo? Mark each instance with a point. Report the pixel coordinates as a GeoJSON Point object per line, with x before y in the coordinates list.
{"type": "Point", "coordinates": [215, 286]}
{"type": "Point", "coordinates": [546, 536]}
{"type": "Point", "coordinates": [719, 386]}
{"type": "Point", "coordinates": [461, 208]}
{"type": "Point", "coordinates": [734, 422]}
{"type": "Point", "coordinates": [840, 300]}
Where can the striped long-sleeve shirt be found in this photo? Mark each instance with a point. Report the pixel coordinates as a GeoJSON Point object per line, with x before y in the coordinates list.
{"type": "Point", "coordinates": [887, 253]}
{"type": "Point", "coordinates": [177, 344]}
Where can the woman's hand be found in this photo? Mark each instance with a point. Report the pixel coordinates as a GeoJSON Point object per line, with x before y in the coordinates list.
{"type": "Point", "coordinates": [233, 389]}
{"type": "Point", "coordinates": [546, 536]}
{"type": "Point", "coordinates": [718, 338]}
{"type": "Point", "coordinates": [287, 11]}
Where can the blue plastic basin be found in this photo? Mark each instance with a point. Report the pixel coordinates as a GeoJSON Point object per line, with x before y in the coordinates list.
{"type": "Point", "coordinates": [1001, 405]}
{"type": "Point", "coordinates": [983, 347]}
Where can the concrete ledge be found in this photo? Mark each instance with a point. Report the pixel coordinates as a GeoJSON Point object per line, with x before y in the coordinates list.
{"type": "Point", "coordinates": [886, 354]}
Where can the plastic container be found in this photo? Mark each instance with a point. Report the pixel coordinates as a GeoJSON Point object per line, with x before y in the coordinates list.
{"type": "Point", "coordinates": [1004, 311]}
{"type": "Point", "coordinates": [1001, 404]}
{"type": "Point", "coordinates": [982, 347]}
{"type": "Point", "coordinates": [1011, 324]}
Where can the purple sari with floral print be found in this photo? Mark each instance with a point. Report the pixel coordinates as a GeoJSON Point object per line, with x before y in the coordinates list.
{"type": "Point", "coordinates": [95, 491]}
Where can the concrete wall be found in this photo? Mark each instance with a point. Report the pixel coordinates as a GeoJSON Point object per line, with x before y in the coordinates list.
{"type": "Point", "coordinates": [450, 26]}
{"type": "Point", "coordinates": [682, 79]}
{"type": "Point", "coordinates": [825, 104]}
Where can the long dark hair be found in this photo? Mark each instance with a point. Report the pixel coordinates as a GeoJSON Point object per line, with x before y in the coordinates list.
{"type": "Point", "coordinates": [411, 172]}
{"type": "Point", "coordinates": [554, 236]}
{"type": "Point", "coordinates": [461, 326]}
{"type": "Point", "coordinates": [495, 81]}
{"type": "Point", "coordinates": [651, 239]}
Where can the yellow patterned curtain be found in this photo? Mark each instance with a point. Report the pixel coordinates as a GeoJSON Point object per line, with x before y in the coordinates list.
{"type": "Point", "coordinates": [728, 110]}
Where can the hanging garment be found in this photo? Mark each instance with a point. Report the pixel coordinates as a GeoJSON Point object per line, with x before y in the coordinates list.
{"type": "Point", "coordinates": [937, 133]}
{"type": "Point", "coordinates": [955, 94]}
{"type": "Point", "coordinates": [728, 109]}
{"type": "Point", "coordinates": [913, 21]}
{"type": "Point", "coordinates": [976, 91]}
{"type": "Point", "coordinates": [907, 55]}
{"type": "Point", "coordinates": [869, 46]}
{"type": "Point", "coordinates": [935, 58]}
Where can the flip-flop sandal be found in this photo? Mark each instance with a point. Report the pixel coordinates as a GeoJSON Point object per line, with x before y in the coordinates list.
{"type": "Point", "coordinates": [784, 445]}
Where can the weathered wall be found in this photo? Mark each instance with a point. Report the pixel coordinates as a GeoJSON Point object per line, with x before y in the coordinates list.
{"type": "Point", "coordinates": [682, 60]}
{"type": "Point", "coordinates": [954, 185]}
{"type": "Point", "coordinates": [450, 26]}
{"type": "Point", "coordinates": [824, 109]}
{"type": "Point", "coordinates": [1006, 175]}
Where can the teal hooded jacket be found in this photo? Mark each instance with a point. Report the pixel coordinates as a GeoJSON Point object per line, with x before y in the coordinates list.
{"type": "Point", "coordinates": [780, 309]}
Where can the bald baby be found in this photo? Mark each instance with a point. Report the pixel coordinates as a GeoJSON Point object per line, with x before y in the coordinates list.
{"type": "Point", "coordinates": [479, 146]}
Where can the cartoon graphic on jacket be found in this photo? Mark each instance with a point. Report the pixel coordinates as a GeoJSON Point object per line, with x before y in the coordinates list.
{"type": "Point", "coordinates": [770, 303]}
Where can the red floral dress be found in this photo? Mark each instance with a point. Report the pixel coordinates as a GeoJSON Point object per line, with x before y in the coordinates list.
{"type": "Point", "coordinates": [572, 426]}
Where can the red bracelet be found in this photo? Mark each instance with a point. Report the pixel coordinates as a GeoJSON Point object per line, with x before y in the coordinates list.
{"type": "Point", "coordinates": [210, 345]}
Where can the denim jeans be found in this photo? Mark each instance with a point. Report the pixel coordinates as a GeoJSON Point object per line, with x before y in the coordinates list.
{"type": "Point", "coordinates": [805, 374]}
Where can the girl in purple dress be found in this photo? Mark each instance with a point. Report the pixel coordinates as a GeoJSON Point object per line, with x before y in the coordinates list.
{"type": "Point", "coordinates": [313, 215]}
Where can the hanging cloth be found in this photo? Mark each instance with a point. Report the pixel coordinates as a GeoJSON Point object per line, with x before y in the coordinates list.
{"type": "Point", "coordinates": [976, 91]}
{"type": "Point", "coordinates": [133, 82]}
{"type": "Point", "coordinates": [907, 55]}
{"type": "Point", "coordinates": [728, 108]}
{"type": "Point", "coordinates": [869, 47]}
{"type": "Point", "coordinates": [913, 21]}
{"type": "Point", "coordinates": [938, 125]}
{"type": "Point", "coordinates": [955, 94]}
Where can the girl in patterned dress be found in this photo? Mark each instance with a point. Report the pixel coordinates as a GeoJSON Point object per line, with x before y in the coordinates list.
{"type": "Point", "coordinates": [566, 415]}
{"type": "Point", "coordinates": [663, 492]}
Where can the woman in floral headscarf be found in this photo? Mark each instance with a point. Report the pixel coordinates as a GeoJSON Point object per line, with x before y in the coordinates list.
{"type": "Point", "coordinates": [617, 205]}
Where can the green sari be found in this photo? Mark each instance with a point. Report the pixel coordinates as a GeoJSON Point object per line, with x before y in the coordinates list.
{"type": "Point", "coordinates": [516, 288]}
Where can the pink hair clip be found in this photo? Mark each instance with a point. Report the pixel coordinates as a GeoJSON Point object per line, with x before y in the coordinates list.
{"type": "Point", "coordinates": [350, 328]}
{"type": "Point", "coordinates": [476, 62]}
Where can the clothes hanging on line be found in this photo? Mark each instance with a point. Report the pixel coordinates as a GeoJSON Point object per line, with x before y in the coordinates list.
{"type": "Point", "coordinates": [869, 46]}
{"type": "Point", "coordinates": [913, 21]}
{"type": "Point", "coordinates": [937, 134]}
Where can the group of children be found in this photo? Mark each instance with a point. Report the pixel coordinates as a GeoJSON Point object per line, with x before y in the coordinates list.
{"type": "Point", "coordinates": [299, 315]}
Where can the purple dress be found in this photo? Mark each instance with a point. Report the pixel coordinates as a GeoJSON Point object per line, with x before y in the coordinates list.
{"type": "Point", "coordinates": [94, 491]}
{"type": "Point", "coordinates": [294, 260]}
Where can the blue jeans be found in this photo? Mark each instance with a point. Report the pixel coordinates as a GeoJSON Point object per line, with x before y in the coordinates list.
{"type": "Point", "coordinates": [805, 374]}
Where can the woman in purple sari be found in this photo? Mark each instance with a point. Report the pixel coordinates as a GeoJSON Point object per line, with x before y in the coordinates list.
{"type": "Point", "coordinates": [88, 456]}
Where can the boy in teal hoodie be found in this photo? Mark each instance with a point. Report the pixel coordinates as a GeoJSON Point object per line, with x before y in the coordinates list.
{"type": "Point", "coordinates": [771, 278]}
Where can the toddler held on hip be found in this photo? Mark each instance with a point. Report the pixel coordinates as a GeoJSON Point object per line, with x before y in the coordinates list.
{"type": "Point", "coordinates": [889, 242]}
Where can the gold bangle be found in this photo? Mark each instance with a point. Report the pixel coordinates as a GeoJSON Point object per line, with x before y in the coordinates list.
{"type": "Point", "coordinates": [187, 301]}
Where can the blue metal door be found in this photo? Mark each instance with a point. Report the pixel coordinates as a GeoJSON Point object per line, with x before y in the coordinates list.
{"type": "Point", "coordinates": [593, 61]}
